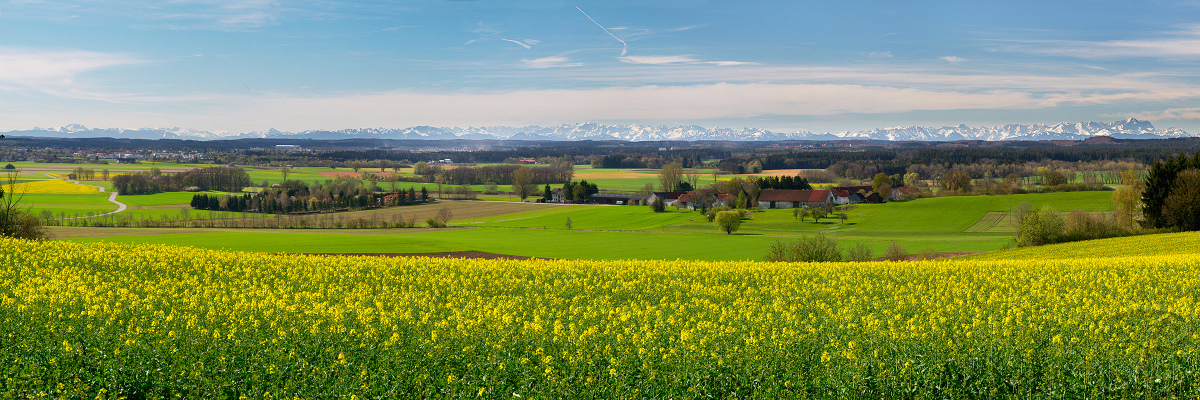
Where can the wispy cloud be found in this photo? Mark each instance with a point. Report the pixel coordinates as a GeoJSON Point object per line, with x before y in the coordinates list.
{"type": "Point", "coordinates": [519, 43]}
{"type": "Point", "coordinates": [658, 60]}
{"type": "Point", "coordinates": [644, 103]}
{"type": "Point", "coordinates": [54, 71]}
{"type": "Point", "coordinates": [879, 54]}
{"type": "Point", "coordinates": [1180, 43]}
{"type": "Point", "coordinates": [677, 60]}
{"type": "Point", "coordinates": [486, 33]}
{"type": "Point", "coordinates": [550, 62]}
{"type": "Point", "coordinates": [392, 28]}
{"type": "Point", "coordinates": [1191, 113]}
{"type": "Point", "coordinates": [953, 59]}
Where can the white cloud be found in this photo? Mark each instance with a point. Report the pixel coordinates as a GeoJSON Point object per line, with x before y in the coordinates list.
{"type": "Point", "coordinates": [658, 60]}
{"type": "Point", "coordinates": [222, 15]}
{"type": "Point", "coordinates": [953, 59]}
{"type": "Point", "coordinates": [1182, 43]}
{"type": "Point", "coordinates": [1191, 113]}
{"type": "Point", "coordinates": [53, 71]}
{"type": "Point", "coordinates": [646, 103]}
{"type": "Point", "coordinates": [677, 60]}
{"type": "Point", "coordinates": [550, 62]}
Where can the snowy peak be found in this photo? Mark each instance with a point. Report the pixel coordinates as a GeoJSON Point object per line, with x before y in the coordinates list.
{"type": "Point", "coordinates": [1127, 129]}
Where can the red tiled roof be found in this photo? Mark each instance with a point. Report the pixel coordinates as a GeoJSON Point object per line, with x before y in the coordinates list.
{"type": "Point", "coordinates": [669, 195]}
{"type": "Point", "coordinates": [841, 193]}
{"type": "Point", "coordinates": [687, 197]}
{"type": "Point", "coordinates": [794, 195]}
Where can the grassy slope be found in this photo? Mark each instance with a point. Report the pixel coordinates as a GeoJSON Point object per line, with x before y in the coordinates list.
{"type": "Point", "coordinates": [670, 235]}
{"type": "Point", "coordinates": [1146, 245]}
{"type": "Point", "coordinates": [70, 204]}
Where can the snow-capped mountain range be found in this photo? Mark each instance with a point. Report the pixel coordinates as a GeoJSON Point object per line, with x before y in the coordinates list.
{"type": "Point", "coordinates": [1127, 129]}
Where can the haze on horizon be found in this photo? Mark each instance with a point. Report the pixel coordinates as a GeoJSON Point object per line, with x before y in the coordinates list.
{"type": "Point", "coordinates": [238, 66]}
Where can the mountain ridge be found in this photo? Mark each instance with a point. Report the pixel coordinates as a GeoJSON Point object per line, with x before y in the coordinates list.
{"type": "Point", "coordinates": [1130, 128]}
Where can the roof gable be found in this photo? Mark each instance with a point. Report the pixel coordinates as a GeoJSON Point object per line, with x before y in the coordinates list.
{"type": "Point", "coordinates": [794, 195]}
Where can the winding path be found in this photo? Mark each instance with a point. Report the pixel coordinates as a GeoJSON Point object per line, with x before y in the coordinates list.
{"type": "Point", "coordinates": [112, 198]}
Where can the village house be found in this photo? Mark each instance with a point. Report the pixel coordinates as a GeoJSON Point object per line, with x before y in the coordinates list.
{"type": "Point", "coordinates": [669, 199]}
{"type": "Point", "coordinates": [556, 195]}
{"type": "Point", "coordinates": [686, 201]}
{"type": "Point", "coordinates": [779, 198]}
{"type": "Point", "coordinates": [844, 197]}
{"type": "Point", "coordinates": [865, 193]}
{"type": "Point", "coordinates": [616, 198]}
{"type": "Point", "coordinates": [902, 192]}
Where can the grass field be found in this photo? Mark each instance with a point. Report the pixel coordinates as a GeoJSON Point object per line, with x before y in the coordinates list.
{"type": "Point", "coordinates": [116, 321]}
{"type": "Point", "coordinates": [945, 224]}
{"type": "Point", "coordinates": [1184, 243]}
{"type": "Point", "coordinates": [621, 232]}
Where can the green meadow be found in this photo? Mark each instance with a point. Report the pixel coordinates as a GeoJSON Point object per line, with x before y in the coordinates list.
{"type": "Point", "coordinates": [634, 232]}
{"type": "Point", "coordinates": [942, 224]}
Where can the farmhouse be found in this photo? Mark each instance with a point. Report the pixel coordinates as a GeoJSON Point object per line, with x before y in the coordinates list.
{"type": "Point", "coordinates": [616, 198]}
{"type": "Point", "coordinates": [775, 198]}
{"type": "Point", "coordinates": [844, 197]}
{"type": "Point", "coordinates": [556, 195]}
{"type": "Point", "coordinates": [669, 199]}
{"type": "Point", "coordinates": [864, 192]}
{"type": "Point", "coordinates": [687, 201]}
{"type": "Point", "coordinates": [904, 191]}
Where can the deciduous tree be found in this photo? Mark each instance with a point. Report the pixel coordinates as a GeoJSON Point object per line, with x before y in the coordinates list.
{"type": "Point", "coordinates": [668, 177]}
{"type": "Point", "coordinates": [728, 221]}
{"type": "Point", "coordinates": [522, 182]}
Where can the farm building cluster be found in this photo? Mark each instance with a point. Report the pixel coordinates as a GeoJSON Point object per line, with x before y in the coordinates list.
{"type": "Point", "coordinates": [767, 199]}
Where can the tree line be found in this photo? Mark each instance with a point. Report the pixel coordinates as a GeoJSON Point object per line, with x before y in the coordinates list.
{"type": "Point", "coordinates": [342, 193]}
{"type": "Point", "coordinates": [225, 179]}
{"type": "Point", "coordinates": [503, 174]}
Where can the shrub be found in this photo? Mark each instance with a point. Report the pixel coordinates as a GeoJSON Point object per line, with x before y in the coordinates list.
{"type": "Point", "coordinates": [895, 252]}
{"type": "Point", "coordinates": [1043, 226]}
{"type": "Point", "coordinates": [433, 223]}
{"type": "Point", "coordinates": [859, 252]}
{"type": "Point", "coordinates": [818, 248]}
{"type": "Point", "coordinates": [927, 253]}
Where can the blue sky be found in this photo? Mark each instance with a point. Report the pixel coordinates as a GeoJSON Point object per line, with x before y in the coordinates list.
{"type": "Point", "coordinates": [238, 66]}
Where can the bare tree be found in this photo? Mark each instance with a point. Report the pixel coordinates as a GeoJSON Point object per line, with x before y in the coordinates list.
{"type": "Point", "coordinates": [693, 176]}
{"type": "Point", "coordinates": [392, 180]}
{"type": "Point", "coordinates": [522, 182]}
{"type": "Point", "coordinates": [14, 221]}
{"type": "Point", "coordinates": [444, 214]}
{"type": "Point", "coordinates": [647, 189]}
{"type": "Point", "coordinates": [668, 178]}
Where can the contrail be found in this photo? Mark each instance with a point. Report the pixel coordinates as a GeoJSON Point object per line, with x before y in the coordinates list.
{"type": "Point", "coordinates": [624, 46]}
{"type": "Point", "coordinates": [522, 44]}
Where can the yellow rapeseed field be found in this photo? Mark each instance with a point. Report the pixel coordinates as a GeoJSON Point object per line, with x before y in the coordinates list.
{"type": "Point", "coordinates": [53, 186]}
{"type": "Point", "coordinates": [157, 321]}
{"type": "Point", "coordinates": [1146, 245]}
